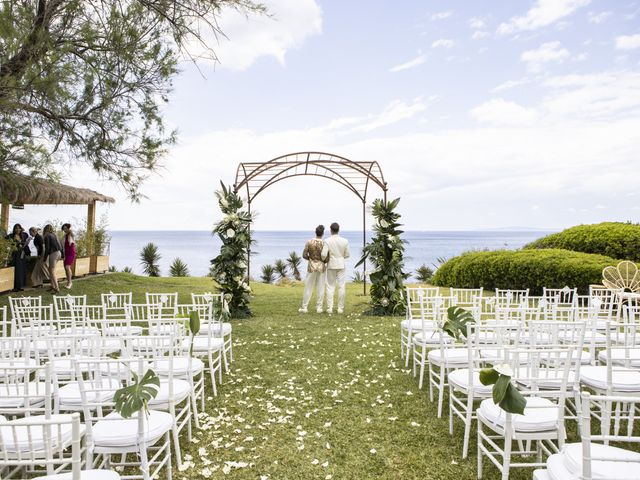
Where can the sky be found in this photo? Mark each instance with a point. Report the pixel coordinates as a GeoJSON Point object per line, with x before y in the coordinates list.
{"type": "Point", "coordinates": [482, 115]}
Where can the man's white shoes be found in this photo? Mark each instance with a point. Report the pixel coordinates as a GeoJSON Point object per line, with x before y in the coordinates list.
{"type": "Point", "coordinates": [319, 310]}
{"type": "Point", "coordinates": [302, 310]}
{"type": "Point", "coordinates": [340, 311]}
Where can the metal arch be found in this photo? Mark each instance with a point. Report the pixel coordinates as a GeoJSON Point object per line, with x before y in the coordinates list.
{"type": "Point", "coordinates": [255, 177]}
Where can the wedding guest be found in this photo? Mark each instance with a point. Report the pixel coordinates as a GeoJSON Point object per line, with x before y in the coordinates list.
{"type": "Point", "coordinates": [20, 239]}
{"type": "Point", "coordinates": [52, 253]}
{"type": "Point", "coordinates": [338, 250]}
{"type": "Point", "coordinates": [40, 271]}
{"type": "Point", "coordinates": [315, 270]}
{"type": "Point", "coordinates": [69, 253]}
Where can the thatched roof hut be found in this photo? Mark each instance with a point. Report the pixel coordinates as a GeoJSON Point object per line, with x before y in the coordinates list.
{"type": "Point", "coordinates": [19, 190]}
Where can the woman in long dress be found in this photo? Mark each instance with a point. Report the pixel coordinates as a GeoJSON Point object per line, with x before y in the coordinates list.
{"type": "Point", "coordinates": [40, 271]}
{"type": "Point", "coordinates": [18, 261]}
{"type": "Point", "coordinates": [52, 252]}
{"type": "Point", "coordinates": [69, 253]}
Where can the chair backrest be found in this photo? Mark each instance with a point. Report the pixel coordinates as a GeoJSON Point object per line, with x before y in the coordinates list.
{"type": "Point", "coordinates": [25, 302]}
{"type": "Point", "coordinates": [621, 349]}
{"type": "Point", "coordinates": [508, 297]}
{"type": "Point", "coordinates": [162, 304]}
{"type": "Point", "coordinates": [6, 324]}
{"type": "Point", "coordinates": [205, 298]}
{"type": "Point", "coordinates": [466, 296]}
{"type": "Point", "coordinates": [414, 294]}
{"type": "Point", "coordinates": [35, 321]}
{"type": "Point", "coordinates": [15, 349]}
{"type": "Point", "coordinates": [563, 296]}
{"type": "Point", "coordinates": [114, 305]}
{"type": "Point", "coordinates": [42, 444]}
{"type": "Point", "coordinates": [596, 461]}
{"type": "Point", "coordinates": [27, 389]}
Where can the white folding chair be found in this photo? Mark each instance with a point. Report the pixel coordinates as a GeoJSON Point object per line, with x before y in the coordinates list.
{"type": "Point", "coordinates": [221, 328]}
{"type": "Point", "coordinates": [146, 435]}
{"type": "Point", "coordinates": [412, 321]}
{"type": "Point", "coordinates": [162, 305]}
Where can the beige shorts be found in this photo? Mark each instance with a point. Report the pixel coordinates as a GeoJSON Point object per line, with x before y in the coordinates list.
{"type": "Point", "coordinates": [52, 260]}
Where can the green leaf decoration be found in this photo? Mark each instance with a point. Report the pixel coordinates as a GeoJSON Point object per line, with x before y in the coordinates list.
{"type": "Point", "coordinates": [500, 388]}
{"type": "Point", "coordinates": [457, 320]}
{"type": "Point", "coordinates": [488, 376]}
{"type": "Point", "coordinates": [134, 398]}
{"type": "Point", "coordinates": [194, 323]}
{"type": "Point", "coordinates": [513, 401]}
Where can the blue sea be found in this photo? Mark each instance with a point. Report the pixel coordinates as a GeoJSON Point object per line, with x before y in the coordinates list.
{"type": "Point", "coordinates": [197, 248]}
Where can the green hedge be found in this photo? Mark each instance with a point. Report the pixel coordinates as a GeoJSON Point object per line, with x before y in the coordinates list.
{"type": "Point", "coordinates": [521, 269]}
{"type": "Point", "coordinates": [613, 239]}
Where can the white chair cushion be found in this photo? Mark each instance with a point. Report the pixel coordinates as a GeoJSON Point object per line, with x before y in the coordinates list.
{"type": "Point", "coordinates": [17, 362]}
{"type": "Point", "coordinates": [69, 394]}
{"type": "Point", "coordinates": [84, 475]}
{"type": "Point", "coordinates": [180, 366]}
{"type": "Point", "coordinates": [414, 324]}
{"type": "Point", "coordinates": [546, 379]}
{"type": "Point", "coordinates": [60, 435]}
{"type": "Point", "coordinates": [80, 330]}
{"type": "Point", "coordinates": [107, 344]}
{"type": "Point", "coordinates": [430, 338]}
{"type": "Point", "coordinates": [119, 330]}
{"type": "Point", "coordinates": [620, 355]}
{"type": "Point", "coordinates": [452, 356]}
{"type": "Point", "coordinates": [540, 415]}
{"type": "Point", "coordinates": [627, 468]}
{"type": "Point", "coordinates": [203, 344]}
{"type": "Point", "coordinates": [115, 431]}
{"type": "Point", "coordinates": [181, 390]}
{"type": "Point", "coordinates": [13, 395]}
{"type": "Point", "coordinates": [64, 365]}
{"type": "Point", "coordinates": [541, 475]}
{"type": "Point", "coordinates": [556, 469]}
{"type": "Point", "coordinates": [623, 379]}
{"type": "Point", "coordinates": [216, 329]}
{"type": "Point", "coordinates": [460, 379]}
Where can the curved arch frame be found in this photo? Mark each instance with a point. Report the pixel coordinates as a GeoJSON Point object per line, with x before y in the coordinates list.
{"type": "Point", "coordinates": [255, 177]}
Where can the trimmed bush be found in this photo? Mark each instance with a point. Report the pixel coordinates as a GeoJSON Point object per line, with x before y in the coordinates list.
{"type": "Point", "coordinates": [613, 239]}
{"type": "Point", "coordinates": [521, 269]}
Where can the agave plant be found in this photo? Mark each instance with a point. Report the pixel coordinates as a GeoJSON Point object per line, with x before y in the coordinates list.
{"type": "Point", "coordinates": [280, 268]}
{"type": "Point", "coordinates": [424, 274]}
{"type": "Point", "coordinates": [178, 268]}
{"type": "Point", "coordinates": [127, 270]}
{"type": "Point", "coordinates": [357, 277]}
{"type": "Point", "coordinates": [268, 274]}
{"type": "Point", "coordinates": [112, 268]}
{"type": "Point", "coordinates": [294, 262]}
{"type": "Point", "coordinates": [149, 258]}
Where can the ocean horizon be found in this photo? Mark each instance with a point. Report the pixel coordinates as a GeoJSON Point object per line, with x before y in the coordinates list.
{"type": "Point", "coordinates": [196, 248]}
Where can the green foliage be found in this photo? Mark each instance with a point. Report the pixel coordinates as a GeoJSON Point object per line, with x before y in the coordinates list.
{"type": "Point", "coordinates": [385, 252]}
{"type": "Point", "coordinates": [504, 392]}
{"type": "Point", "coordinates": [357, 277]}
{"type": "Point", "coordinates": [135, 398]}
{"type": "Point", "coordinates": [178, 268]}
{"type": "Point", "coordinates": [457, 320]}
{"type": "Point", "coordinates": [96, 243]}
{"type": "Point", "coordinates": [229, 268]}
{"type": "Point", "coordinates": [7, 247]}
{"type": "Point", "coordinates": [127, 270]}
{"type": "Point", "coordinates": [533, 269]}
{"type": "Point", "coordinates": [294, 262]}
{"type": "Point", "coordinates": [424, 274]}
{"type": "Point", "coordinates": [149, 258]}
{"type": "Point", "coordinates": [87, 81]}
{"type": "Point", "coordinates": [112, 269]}
{"type": "Point", "coordinates": [613, 239]}
{"type": "Point", "coordinates": [280, 268]}
{"type": "Point", "coordinates": [268, 274]}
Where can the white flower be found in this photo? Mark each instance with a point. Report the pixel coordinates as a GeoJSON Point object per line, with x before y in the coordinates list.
{"type": "Point", "coordinates": [384, 223]}
{"type": "Point", "coordinates": [504, 369]}
{"type": "Point", "coordinates": [223, 202]}
{"type": "Point", "coordinates": [373, 451]}
{"type": "Point", "coordinates": [384, 302]}
{"type": "Point", "coordinates": [231, 233]}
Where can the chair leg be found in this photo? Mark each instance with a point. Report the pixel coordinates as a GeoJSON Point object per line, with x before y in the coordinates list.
{"type": "Point", "coordinates": [479, 464]}
{"type": "Point", "coordinates": [506, 459]}
{"type": "Point", "coordinates": [169, 467]}
{"type": "Point", "coordinates": [430, 382]}
{"type": "Point", "coordinates": [176, 436]}
{"type": "Point", "coordinates": [450, 410]}
{"type": "Point", "coordinates": [467, 425]}
{"type": "Point", "coordinates": [443, 371]}
{"type": "Point", "coordinates": [421, 377]}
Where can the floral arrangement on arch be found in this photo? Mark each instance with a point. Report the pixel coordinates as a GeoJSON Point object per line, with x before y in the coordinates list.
{"type": "Point", "coordinates": [229, 268]}
{"type": "Point", "coordinates": [385, 252]}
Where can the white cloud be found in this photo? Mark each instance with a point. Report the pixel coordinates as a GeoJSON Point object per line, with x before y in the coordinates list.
{"type": "Point", "coordinates": [442, 43]}
{"type": "Point", "coordinates": [419, 60]}
{"type": "Point", "coordinates": [501, 112]}
{"type": "Point", "coordinates": [290, 23]}
{"type": "Point", "coordinates": [479, 34]}
{"type": "Point", "coordinates": [441, 15]}
{"type": "Point", "coordinates": [599, 17]}
{"type": "Point", "coordinates": [542, 14]}
{"type": "Point", "coordinates": [628, 42]}
{"type": "Point", "coordinates": [477, 23]}
{"type": "Point", "coordinates": [545, 53]}
{"type": "Point", "coordinates": [509, 84]}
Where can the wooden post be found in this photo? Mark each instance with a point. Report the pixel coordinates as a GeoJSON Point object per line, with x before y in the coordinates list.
{"type": "Point", "coordinates": [91, 218]}
{"type": "Point", "coordinates": [4, 217]}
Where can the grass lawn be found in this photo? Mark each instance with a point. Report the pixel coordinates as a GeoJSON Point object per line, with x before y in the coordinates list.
{"type": "Point", "coordinates": [312, 396]}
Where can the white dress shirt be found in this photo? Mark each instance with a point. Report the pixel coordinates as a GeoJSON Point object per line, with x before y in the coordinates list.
{"type": "Point", "coordinates": [338, 249]}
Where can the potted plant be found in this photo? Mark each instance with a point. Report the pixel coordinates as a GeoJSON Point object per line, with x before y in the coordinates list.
{"type": "Point", "coordinates": [98, 248]}
{"type": "Point", "coordinates": [6, 273]}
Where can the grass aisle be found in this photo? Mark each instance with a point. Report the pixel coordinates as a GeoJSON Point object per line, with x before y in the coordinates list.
{"type": "Point", "coordinates": [313, 397]}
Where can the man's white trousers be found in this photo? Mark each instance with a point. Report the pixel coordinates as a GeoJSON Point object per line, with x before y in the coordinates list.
{"type": "Point", "coordinates": [314, 280]}
{"type": "Point", "coordinates": [336, 277]}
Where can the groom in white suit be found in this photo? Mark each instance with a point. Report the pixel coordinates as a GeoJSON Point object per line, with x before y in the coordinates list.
{"type": "Point", "coordinates": [338, 249]}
